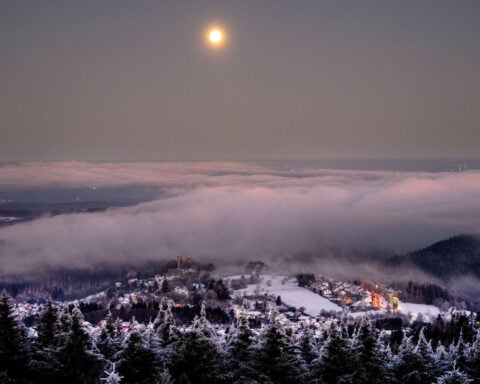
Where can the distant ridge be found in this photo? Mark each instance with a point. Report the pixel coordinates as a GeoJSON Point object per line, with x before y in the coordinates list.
{"type": "Point", "coordinates": [446, 259]}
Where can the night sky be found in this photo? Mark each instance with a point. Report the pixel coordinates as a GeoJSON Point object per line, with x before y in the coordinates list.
{"type": "Point", "coordinates": [135, 80]}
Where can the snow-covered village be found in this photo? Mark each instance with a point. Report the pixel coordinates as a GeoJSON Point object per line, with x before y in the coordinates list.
{"type": "Point", "coordinates": [189, 326]}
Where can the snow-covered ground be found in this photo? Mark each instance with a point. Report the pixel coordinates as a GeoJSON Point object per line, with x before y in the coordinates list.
{"type": "Point", "coordinates": [94, 298]}
{"type": "Point", "coordinates": [291, 294]}
{"type": "Point", "coordinates": [8, 219]}
{"type": "Point", "coordinates": [429, 311]}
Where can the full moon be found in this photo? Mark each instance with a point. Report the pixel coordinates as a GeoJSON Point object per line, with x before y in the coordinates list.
{"type": "Point", "coordinates": [215, 36]}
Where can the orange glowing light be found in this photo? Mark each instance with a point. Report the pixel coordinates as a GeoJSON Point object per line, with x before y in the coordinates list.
{"type": "Point", "coordinates": [215, 36]}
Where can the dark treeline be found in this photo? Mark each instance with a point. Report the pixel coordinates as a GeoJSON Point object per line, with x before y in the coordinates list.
{"type": "Point", "coordinates": [66, 349]}
{"type": "Point", "coordinates": [429, 293]}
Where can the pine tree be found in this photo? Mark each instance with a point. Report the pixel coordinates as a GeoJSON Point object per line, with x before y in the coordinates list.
{"type": "Point", "coordinates": [201, 324]}
{"type": "Point", "coordinates": [442, 358]}
{"type": "Point", "coordinates": [47, 327]}
{"type": "Point", "coordinates": [137, 361]}
{"type": "Point", "coordinates": [196, 355]}
{"type": "Point", "coordinates": [414, 365]}
{"type": "Point", "coordinates": [307, 346]}
{"type": "Point", "coordinates": [425, 352]}
{"type": "Point", "coordinates": [407, 364]}
{"type": "Point", "coordinates": [109, 341]}
{"type": "Point", "coordinates": [112, 377]}
{"type": "Point", "coordinates": [165, 325]}
{"type": "Point", "coordinates": [80, 363]}
{"type": "Point", "coordinates": [275, 356]}
{"type": "Point", "coordinates": [369, 366]}
{"type": "Point", "coordinates": [308, 352]}
{"type": "Point", "coordinates": [165, 287]}
{"type": "Point", "coordinates": [13, 351]}
{"type": "Point", "coordinates": [239, 351]}
{"type": "Point", "coordinates": [44, 364]}
{"type": "Point", "coordinates": [64, 324]}
{"type": "Point", "coordinates": [473, 361]}
{"type": "Point", "coordinates": [334, 364]}
{"type": "Point", "coordinates": [110, 325]}
{"type": "Point", "coordinates": [454, 376]}
{"type": "Point", "coordinates": [461, 351]}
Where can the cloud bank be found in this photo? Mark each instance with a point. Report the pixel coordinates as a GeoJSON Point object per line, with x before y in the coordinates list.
{"type": "Point", "coordinates": [226, 212]}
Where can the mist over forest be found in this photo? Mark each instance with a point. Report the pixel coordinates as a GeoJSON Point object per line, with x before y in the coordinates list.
{"type": "Point", "coordinates": [291, 215]}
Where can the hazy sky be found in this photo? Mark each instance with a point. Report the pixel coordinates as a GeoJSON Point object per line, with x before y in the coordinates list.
{"type": "Point", "coordinates": [132, 80]}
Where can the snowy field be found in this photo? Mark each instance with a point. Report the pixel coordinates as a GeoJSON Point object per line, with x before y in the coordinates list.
{"type": "Point", "coordinates": [291, 294]}
{"type": "Point", "coordinates": [429, 311]}
{"type": "Point", "coordinates": [8, 219]}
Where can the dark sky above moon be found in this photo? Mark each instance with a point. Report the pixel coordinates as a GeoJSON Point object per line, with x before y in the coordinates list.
{"type": "Point", "coordinates": [134, 80]}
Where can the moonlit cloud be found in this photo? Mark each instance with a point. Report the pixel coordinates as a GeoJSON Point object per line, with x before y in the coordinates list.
{"type": "Point", "coordinates": [236, 211]}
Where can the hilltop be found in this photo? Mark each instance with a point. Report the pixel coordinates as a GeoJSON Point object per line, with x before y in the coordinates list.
{"type": "Point", "coordinates": [446, 259]}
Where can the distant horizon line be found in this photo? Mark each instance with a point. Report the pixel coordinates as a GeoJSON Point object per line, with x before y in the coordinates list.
{"type": "Point", "coordinates": [246, 159]}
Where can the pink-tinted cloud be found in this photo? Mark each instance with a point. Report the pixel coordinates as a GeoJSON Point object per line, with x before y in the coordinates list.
{"type": "Point", "coordinates": [236, 212]}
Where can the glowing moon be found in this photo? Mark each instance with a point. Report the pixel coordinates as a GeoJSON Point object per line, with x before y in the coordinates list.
{"type": "Point", "coordinates": [215, 37]}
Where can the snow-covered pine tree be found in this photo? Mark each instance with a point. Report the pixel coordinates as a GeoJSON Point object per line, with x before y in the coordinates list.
{"type": "Point", "coordinates": [473, 361]}
{"type": "Point", "coordinates": [196, 354]}
{"type": "Point", "coordinates": [307, 346]}
{"type": "Point", "coordinates": [455, 376]}
{"type": "Point", "coordinates": [201, 323]}
{"type": "Point", "coordinates": [407, 365]}
{"type": "Point", "coordinates": [106, 343]}
{"type": "Point", "coordinates": [308, 351]}
{"type": "Point", "coordinates": [387, 357]}
{"type": "Point", "coordinates": [239, 351]}
{"type": "Point", "coordinates": [112, 376]}
{"type": "Point", "coordinates": [425, 352]}
{"type": "Point", "coordinates": [414, 364]}
{"type": "Point", "coordinates": [64, 324]}
{"type": "Point", "coordinates": [161, 313]}
{"type": "Point", "coordinates": [275, 355]}
{"type": "Point", "coordinates": [44, 363]}
{"type": "Point", "coordinates": [80, 361]}
{"type": "Point", "coordinates": [460, 352]}
{"type": "Point", "coordinates": [442, 359]}
{"type": "Point", "coordinates": [137, 362]}
{"type": "Point", "coordinates": [165, 324]}
{"type": "Point", "coordinates": [334, 365]}
{"type": "Point", "coordinates": [369, 368]}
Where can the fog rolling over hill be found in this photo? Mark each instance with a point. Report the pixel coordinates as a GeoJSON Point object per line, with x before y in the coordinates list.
{"type": "Point", "coordinates": [286, 213]}
{"type": "Point", "coordinates": [453, 257]}
{"type": "Point", "coordinates": [456, 261]}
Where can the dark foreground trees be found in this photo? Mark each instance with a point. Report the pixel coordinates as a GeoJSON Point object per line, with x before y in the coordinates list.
{"type": "Point", "coordinates": [13, 345]}
{"type": "Point", "coordinates": [66, 349]}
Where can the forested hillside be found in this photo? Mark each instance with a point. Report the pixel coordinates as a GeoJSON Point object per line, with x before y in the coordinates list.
{"type": "Point", "coordinates": [456, 256]}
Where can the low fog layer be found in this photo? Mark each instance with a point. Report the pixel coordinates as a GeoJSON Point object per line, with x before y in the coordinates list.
{"type": "Point", "coordinates": [231, 212]}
